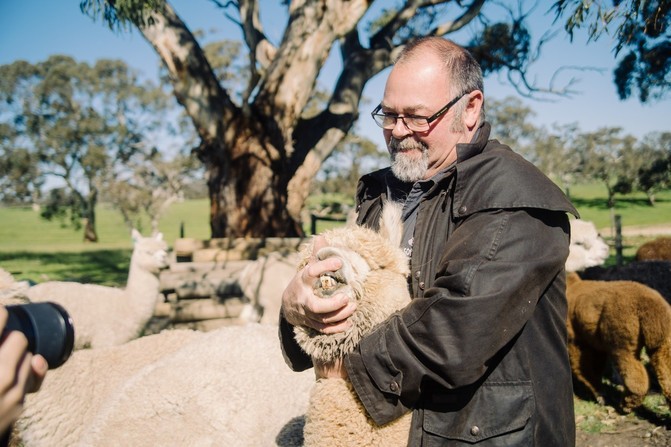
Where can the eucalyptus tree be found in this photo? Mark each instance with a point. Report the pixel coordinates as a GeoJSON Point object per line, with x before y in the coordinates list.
{"type": "Point", "coordinates": [68, 123]}
{"type": "Point", "coordinates": [260, 149]}
{"type": "Point", "coordinates": [641, 31]}
{"type": "Point", "coordinates": [655, 173]}
{"type": "Point", "coordinates": [610, 158]}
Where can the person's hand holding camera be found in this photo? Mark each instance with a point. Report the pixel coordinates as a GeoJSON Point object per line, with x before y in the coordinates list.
{"type": "Point", "coordinates": [21, 372]}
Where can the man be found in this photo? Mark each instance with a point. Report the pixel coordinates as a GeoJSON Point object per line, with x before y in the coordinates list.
{"type": "Point", "coordinates": [479, 355]}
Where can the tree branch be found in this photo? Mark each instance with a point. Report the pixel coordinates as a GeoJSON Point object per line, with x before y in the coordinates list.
{"type": "Point", "coordinates": [261, 51]}
{"type": "Point", "coordinates": [454, 25]}
{"type": "Point", "coordinates": [195, 84]}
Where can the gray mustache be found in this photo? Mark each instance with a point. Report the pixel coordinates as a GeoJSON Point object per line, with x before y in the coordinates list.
{"type": "Point", "coordinates": [405, 144]}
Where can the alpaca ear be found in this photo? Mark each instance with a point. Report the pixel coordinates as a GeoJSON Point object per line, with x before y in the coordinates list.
{"type": "Point", "coordinates": [391, 225]}
{"type": "Point", "coordinates": [135, 235]}
{"type": "Point", "coordinates": [158, 236]}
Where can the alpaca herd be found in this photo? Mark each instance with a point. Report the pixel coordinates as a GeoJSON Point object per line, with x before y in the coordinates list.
{"type": "Point", "coordinates": [231, 386]}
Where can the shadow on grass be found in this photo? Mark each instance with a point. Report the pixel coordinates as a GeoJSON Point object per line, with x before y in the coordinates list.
{"type": "Point", "coordinates": [105, 267]}
{"type": "Point", "coordinates": [621, 203]}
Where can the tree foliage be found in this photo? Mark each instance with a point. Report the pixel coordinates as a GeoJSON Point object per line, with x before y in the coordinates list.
{"type": "Point", "coordinates": [566, 154]}
{"type": "Point", "coordinates": [262, 145]}
{"type": "Point", "coordinates": [655, 172]}
{"type": "Point", "coordinates": [642, 34]}
{"type": "Point", "coordinates": [147, 184]}
{"type": "Point", "coordinates": [67, 125]}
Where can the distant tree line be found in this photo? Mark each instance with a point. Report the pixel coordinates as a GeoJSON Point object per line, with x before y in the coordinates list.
{"type": "Point", "coordinates": [73, 135]}
{"type": "Point", "coordinates": [620, 162]}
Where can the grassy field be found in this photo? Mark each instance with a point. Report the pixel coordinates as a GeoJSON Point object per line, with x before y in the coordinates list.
{"type": "Point", "coordinates": [38, 250]}
{"type": "Point", "coordinates": [35, 249]}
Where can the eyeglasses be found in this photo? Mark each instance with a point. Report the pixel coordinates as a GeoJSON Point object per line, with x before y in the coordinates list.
{"type": "Point", "coordinates": [412, 122]}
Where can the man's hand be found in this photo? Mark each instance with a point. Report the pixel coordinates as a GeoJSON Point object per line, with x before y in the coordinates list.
{"type": "Point", "coordinates": [20, 372]}
{"type": "Point", "coordinates": [300, 306]}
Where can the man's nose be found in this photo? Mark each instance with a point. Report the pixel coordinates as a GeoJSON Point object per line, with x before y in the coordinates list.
{"type": "Point", "coordinates": [400, 130]}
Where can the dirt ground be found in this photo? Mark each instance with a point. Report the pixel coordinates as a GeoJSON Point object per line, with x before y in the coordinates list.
{"type": "Point", "coordinates": [626, 431]}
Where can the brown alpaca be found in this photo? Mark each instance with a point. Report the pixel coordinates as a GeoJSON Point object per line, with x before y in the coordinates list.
{"type": "Point", "coordinates": [616, 320]}
{"type": "Point", "coordinates": [656, 250]}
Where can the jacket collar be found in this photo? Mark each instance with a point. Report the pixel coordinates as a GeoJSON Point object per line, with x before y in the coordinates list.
{"type": "Point", "coordinates": [477, 145]}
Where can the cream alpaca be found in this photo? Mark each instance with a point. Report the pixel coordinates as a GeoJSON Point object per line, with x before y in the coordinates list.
{"type": "Point", "coordinates": [108, 316]}
{"type": "Point", "coordinates": [374, 274]}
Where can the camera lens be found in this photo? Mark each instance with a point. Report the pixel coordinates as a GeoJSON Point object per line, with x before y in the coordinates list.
{"type": "Point", "coordinates": [48, 328]}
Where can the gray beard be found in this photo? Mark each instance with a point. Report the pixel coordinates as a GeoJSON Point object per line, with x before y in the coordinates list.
{"type": "Point", "coordinates": [408, 169]}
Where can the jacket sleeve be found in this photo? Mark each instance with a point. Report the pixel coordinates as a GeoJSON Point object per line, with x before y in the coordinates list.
{"type": "Point", "coordinates": [294, 356]}
{"type": "Point", "coordinates": [494, 269]}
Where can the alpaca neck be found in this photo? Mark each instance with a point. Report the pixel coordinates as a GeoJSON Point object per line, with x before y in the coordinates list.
{"type": "Point", "coordinates": [141, 288]}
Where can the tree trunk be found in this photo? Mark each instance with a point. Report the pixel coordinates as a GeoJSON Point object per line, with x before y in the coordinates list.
{"type": "Point", "coordinates": [90, 202]}
{"type": "Point", "coordinates": [90, 234]}
{"type": "Point", "coordinates": [249, 193]}
{"type": "Point", "coordinates": [261, 154]}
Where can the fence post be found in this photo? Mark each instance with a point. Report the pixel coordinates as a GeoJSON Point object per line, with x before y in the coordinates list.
{"type": "Point", "coordinates": [618, 240]}
{"type": "Point", "coordinates": [181, 229]}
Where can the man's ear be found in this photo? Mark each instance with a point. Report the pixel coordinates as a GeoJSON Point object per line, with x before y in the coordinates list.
{"type": "Point", "coordinates": [473, 108]}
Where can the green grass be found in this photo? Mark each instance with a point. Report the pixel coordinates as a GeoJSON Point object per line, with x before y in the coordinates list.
{"type": "Point", "coordinates": [38, 250]}
{"type": "Point", "coordinates": [634, 209]}
{"type": "Point", "coordinates": [24, 230]}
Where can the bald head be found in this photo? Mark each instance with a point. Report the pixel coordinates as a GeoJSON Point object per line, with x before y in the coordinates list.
{"type": "Point", "coordinates": [462, 72]}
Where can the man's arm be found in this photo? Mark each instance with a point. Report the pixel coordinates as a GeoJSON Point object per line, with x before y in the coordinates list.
{"type": "Point", "coordinates": [495, 268]}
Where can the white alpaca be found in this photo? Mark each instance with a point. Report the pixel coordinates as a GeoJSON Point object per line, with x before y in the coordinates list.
{"type": "Point", "coordinates": [108, 316]}
{"type": "Point", "coordinates": [586, 249]}
{"type": "Point", "coordinates": [262, 282]}
{"type": "Point", "coordinates": [12, 291]}
{"type": "Point", "coordinates": [230, 386]}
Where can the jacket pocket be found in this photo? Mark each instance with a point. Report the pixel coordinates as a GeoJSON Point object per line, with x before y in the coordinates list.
{"type": "Point", "coordinates": [496, 410]}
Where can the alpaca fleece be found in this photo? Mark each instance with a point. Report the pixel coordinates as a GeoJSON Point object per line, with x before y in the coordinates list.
{"type": "Point", "coordinates": [656, 250]}
{"type": "Point", "coordinates": [654, 274]}
{"type": "Point", "coordinates": [228, 387]}
{"type": "Point", "coordinates": [616, 320]}
{"type": "Point", "coordinates": [374, 274]}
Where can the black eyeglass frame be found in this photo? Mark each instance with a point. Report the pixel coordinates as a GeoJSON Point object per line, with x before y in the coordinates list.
{"type": "Point", "coordinates": [429, 119]}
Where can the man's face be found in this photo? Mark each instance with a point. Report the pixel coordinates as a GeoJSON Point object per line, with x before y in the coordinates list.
{"type": "Point", "coordinates": [419, 87]}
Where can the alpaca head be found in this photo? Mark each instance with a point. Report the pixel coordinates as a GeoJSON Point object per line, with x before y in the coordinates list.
{"type": "Point", "coordinates": [587, 248]}
{"type": "Point", "coordinates": [12, 291]}
{"type": "Point", "coordinates": [150, 253]}
{"type": "Point", "coordinates": [373, 274]}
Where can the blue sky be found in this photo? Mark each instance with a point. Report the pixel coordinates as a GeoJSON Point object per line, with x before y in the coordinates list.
{"type": "Point", "coordinates": [34, 29]}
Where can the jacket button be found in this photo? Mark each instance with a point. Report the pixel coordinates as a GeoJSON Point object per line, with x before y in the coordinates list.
{"type": "Point", "coordinates": [462, 210]}
{"type": "Point", "coordinates": [418, 274]}
{"type": "Point", "coordinates": [421, 285]}
{"type": "Point", "coordinates": [393, 386]}
{"type": "Point", "coordinates": [475, 430]}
